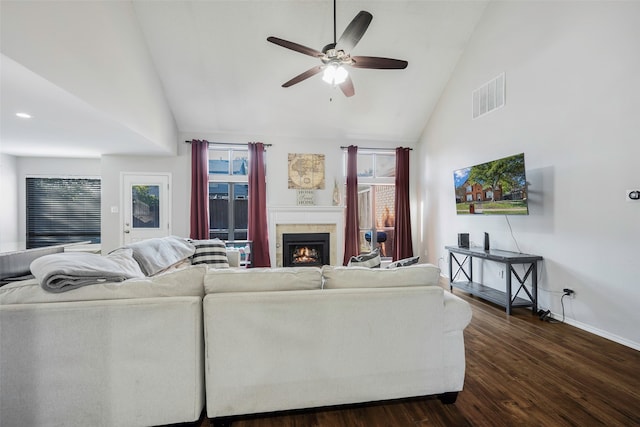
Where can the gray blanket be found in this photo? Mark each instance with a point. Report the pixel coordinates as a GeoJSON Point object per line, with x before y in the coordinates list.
{"type": "Point", "coordinates": [158, 254]}
{"type": "Point", "coordinates": [70, 270]}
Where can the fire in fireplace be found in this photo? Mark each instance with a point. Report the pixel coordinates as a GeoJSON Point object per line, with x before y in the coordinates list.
{"type": "Point", "coordinates": [305, 255]}
{"type": "Point", "coordinates": [305, 249]}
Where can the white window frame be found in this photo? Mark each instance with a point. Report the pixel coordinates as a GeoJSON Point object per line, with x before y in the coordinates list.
{"type": "Point", "coordinates": [371, 182]}
{"type": "Point", "coordinates": [230, 179]}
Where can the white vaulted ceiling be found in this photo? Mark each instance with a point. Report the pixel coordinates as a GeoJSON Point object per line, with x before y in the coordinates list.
{"type": "Point", "coordinates": [126, 77]}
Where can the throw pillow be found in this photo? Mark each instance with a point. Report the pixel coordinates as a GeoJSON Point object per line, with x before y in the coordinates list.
{"type": "Point", "coordinates": [371, 260]}
{"type": "Point", "coordinates": [211, 252]}
{"type": "Point", "coordinates": [404, 262]}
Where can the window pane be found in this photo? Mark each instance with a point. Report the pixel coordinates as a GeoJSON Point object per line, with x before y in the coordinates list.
{"type": "Point", "coordinates": [240, 235]}
{"type": "Point", "coordinates": [145, 201]}
{"type": "Point", "coordinates": [62, 210]}
{"type": "Point", "coordinates": [219, 234]}
{"type": "Point", "coordinates": [385, 197]}
{"type": "Point", "coordinates": [364, 245]}
{"type": "Point", "coordinates": [364, 207]}
{"type": "Point", "coordinates": [219, 162]}
{"type": "Point", "coordinates": [241, 207]}
{"type": "Point", "coordinates": [365, 165]}
{"type": "Point", "coordinates": [240, 162]}
{"type": "Point", "coordinates": [218, 205]}
{"type": "Point", "coordinates": [385, 165]}
{"type": "Point", "coordinates": [376, 212]}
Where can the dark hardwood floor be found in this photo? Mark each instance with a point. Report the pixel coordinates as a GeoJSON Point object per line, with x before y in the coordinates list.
{"type": "Point", "coordinates": [520, 372]}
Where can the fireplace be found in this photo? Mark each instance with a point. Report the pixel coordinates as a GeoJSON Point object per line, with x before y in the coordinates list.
{"type": "Point", "coordinates": [305, 249]}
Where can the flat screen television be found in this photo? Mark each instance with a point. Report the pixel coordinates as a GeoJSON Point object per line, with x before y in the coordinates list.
{"type": "Point", "coordinates": [498, 187]}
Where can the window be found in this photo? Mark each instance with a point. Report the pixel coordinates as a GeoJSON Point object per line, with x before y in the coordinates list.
{"type": "Point", "coordinates": [376, 200]}
{"type": "Point", "coordinates": [228, 193]}
{"type": "Point", "coordinates": [62, 210]}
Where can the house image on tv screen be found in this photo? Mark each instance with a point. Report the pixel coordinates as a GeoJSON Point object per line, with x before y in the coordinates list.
{"type": "Point", "coordinates": [498, 187]}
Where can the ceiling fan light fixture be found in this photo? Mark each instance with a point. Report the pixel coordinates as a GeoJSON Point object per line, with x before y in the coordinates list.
{"type": "Point", "coordinates": [337, 55]}
{"type": "Point", "coordinates": [335, 74]}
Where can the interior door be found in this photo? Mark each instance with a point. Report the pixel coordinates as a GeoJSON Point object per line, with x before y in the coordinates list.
{"type": "Point", "coordinates": [146, 206]}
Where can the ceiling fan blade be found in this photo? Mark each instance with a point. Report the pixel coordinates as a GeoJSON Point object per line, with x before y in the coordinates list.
{"type": "Point", "coordinates": [347, 87]}
{"type": "Point", "coordinates": [303, 76]}
{"type": "Point", "coordinates": [295, 46]}
{"type": "Point", "coordinates": [354, 31]}
{"type": "Point", "coordinates": [378, 63]}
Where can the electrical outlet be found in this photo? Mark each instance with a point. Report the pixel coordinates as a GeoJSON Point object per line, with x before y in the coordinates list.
{"type": "Point", "coordinates": [632, 196]}
{"type": "Point", "coordinates": [569, 292]}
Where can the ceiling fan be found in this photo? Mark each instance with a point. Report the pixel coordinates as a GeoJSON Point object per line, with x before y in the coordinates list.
{"type": "Point", "coordinates": [335, 56]}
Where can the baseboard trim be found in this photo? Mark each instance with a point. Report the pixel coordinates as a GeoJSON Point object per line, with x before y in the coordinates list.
{"type": "Point", "coordinates": [596, 331]}
{"type": "Point", "coordinates": [444, 282]}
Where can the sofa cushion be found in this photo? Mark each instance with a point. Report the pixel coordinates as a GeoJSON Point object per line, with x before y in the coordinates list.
{"type": "Point", "coordinates": [184, 282]}
{"type": "Point", "coordinates": [371, 260]}
{"type": "Point", "coordinates": [262, 279]}
{"type": "Point", "coordinates": [361, 277]}
{"type": "Point", "coordinates": [211, 252]}
{"type": "Point", "coordinates": [404, 262]}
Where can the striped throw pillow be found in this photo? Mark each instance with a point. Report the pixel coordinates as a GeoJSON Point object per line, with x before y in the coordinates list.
{"type": "Point", "coordinates": [404, 262]}
{"type": "Point", "coordinates": [211, 252]}
{"type": "Point", "coordinates": [371, 260]}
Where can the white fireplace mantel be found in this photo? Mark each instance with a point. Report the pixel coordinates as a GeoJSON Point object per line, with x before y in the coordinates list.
{"type": "Point", "coordinates": [279, 215]}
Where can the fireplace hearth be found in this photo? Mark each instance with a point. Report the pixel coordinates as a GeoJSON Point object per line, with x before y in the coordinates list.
{"type": "Point", "coordinates": [305, 249]}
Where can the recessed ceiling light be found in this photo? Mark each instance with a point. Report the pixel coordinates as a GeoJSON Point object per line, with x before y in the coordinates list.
{"type": "Point", "coordinates": [23, 115]}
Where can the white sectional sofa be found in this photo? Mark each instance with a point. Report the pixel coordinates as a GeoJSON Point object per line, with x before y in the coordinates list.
{"type": "Point", "coordinates": [113, 354]}
{"type": "Point", "coordinates": [141, 352]}
{"type": "Point", "coordinates": [280, 339]}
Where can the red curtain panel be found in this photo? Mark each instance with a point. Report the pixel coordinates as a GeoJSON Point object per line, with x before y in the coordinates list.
{"type": "Point", "coordinates": [351, 231]}
{"type": "Point", "coordinates": [402, 228]}
{"type": "Point", "coordinates": [199, 190]}
{"type": "Point", "coordinates": [258, 231]}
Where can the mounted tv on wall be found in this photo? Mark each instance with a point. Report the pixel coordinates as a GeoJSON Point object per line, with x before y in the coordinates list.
{"type": "Point", "coordinates": [498, 187]}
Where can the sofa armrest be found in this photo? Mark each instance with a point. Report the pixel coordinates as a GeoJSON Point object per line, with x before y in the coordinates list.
{"type": "Point", "coordinates": [14, 264]}
{"type": "Point", "coordinates": [457, 313]}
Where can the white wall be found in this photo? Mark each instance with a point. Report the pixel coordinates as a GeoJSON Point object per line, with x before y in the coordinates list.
{"type": "Point", "coordinates": [112, 168]}
{"type": "Point", "coordinates": [572, 106]}
{"type": "Point", "coordinates": [14, 172]}
{"type": "Point", "coordinates": [9, 240]}
{"type": "Point", "coordinates": [96, 52]}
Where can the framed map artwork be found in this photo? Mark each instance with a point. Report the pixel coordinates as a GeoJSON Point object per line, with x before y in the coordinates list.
{"type": "Point", "coordinates": [306, 171]}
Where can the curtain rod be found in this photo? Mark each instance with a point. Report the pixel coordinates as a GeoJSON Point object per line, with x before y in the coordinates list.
{"type": "Point", "coordinates": [231, 143]}
{"type": "Point", "coordinates": [375, 149]}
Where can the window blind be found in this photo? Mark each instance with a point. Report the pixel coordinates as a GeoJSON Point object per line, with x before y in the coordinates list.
{"type": "Point", "coordinates": [62, 210]}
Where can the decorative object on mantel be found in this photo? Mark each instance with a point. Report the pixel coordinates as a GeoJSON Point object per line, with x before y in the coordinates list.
{"type": "Point", "coordinates": [306, 171]}
{"type": "Point", "coordinates": [306, 198]}
{"type": "Point", "coordinates": [336, 193]}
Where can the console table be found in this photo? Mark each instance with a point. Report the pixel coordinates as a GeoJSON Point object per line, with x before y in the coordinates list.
{"type": "Point", "coordinates": [507, 299]}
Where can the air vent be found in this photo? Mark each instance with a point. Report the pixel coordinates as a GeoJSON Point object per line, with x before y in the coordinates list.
{"type": "Point", "coordinates": [488, 97]}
